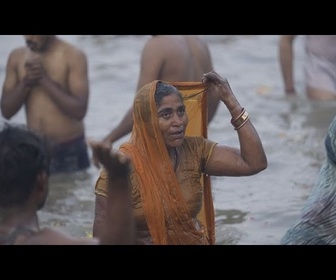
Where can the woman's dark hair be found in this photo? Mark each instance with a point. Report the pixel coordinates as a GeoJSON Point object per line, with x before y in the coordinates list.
{"type": "Point", "coordinates": [163, 89]}
{"type": "Point", "coordinates": [23, 155]}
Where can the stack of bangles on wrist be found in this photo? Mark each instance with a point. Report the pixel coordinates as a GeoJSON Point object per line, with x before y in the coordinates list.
{"type": "Point", "coordinates": [240, 120]}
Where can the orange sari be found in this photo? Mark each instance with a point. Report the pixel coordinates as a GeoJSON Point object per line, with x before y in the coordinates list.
{"type": "Point", "coordinates": [195, 100]}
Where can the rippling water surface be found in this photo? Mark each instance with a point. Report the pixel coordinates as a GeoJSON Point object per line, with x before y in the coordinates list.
{"type": "Point", "coordinates": [249, 210]}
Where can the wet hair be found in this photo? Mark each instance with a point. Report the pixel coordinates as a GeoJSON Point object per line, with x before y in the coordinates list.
{"type": "Point", "coordinates": [23, 155]}
{"type": "Point", "coordinates": [163, 89]}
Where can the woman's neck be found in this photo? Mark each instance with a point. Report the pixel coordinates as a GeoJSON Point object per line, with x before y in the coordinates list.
{"type": "Point", "coordinates": [174, 157]}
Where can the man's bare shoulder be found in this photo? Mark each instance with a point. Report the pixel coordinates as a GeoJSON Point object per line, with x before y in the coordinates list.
{"type": "Point", "coordinates": [153, 42]}
{"type": "Point", "coordinates": [164, 39]}
{"type": "Point", "coordinates": [71, 50]}
{"type": "Point", "coordinates": [17, 54]}
{"type": "Point", "coordinates": [287, 38]}
{"type": "Point", "coordinates": [159, 41]}
{"type": "Point", "coordinates": [199, 41]}
{"type": "Point", "coordinates": [176, 42]}
{"type": "Point", "coordinates": [176, 38]}
{"type": "Point", "coordinates": [162, 47]}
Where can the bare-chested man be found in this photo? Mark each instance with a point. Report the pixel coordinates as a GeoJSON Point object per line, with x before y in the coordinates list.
{"type": "Point", "coordinates": [49, 76]}
{"type": "Point", "coordinates": [319, 65]}
{"type": "Point", "coordinates": [171, 58]}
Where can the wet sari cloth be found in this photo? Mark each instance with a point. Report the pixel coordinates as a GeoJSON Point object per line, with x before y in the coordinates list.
{"type": "Point", "coordinates": [166, 212]}
{"type": "Point", "coordinates": [195, 100]}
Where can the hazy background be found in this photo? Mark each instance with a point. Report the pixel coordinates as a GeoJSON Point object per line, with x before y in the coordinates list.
{"type": "Point", "coordinates": [249, 210]}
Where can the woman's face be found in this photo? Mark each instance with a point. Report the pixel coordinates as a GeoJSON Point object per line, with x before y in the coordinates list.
{"type": "Point", "coordinates": [173, 120]}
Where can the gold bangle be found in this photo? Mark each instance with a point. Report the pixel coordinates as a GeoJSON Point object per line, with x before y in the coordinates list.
{"type": "Point", "coordinates": [241, 119]}
{"type": "Point", "coordinates": [244, 122]}
{"type": "Point", "coordinates": [236, 119]}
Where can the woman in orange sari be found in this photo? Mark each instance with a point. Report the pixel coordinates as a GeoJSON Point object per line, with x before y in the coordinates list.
{"type": "Point", "coordinates": [167, 193]}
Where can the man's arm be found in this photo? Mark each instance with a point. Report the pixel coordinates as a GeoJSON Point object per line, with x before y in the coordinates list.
{"type": "Point", "coordinates": [99, 215]}
{"type": "Point", "coordinates": [286, 59]}
{"type": "Point", "coordinates": [14, 91]}
{"type": "Point", "coordinates": [122, 129]}
{"type": "Point", "coordinates": [114, 222]}
{"type": "Point", "coordinates": [150, 65]}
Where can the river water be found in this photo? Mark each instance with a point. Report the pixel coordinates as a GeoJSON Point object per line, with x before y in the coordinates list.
{"type": "Point", "coordinates": [255, 210]}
